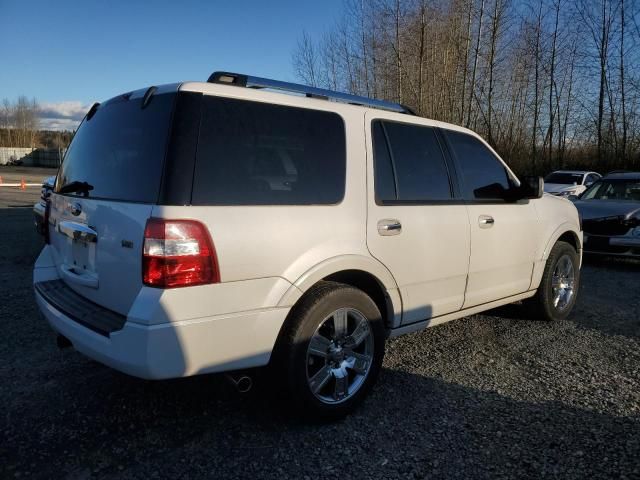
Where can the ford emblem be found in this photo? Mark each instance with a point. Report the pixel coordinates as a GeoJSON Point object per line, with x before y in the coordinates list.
{"type": "Point", "coordinates": [76, 209]}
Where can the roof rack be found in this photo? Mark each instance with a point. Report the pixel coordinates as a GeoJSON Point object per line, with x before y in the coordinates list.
{"type": "Point", "coordinates": [248, 81]}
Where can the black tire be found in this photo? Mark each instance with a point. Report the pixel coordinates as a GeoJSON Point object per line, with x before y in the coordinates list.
{"type": "Point", "coordinates": [542, 304]}
{"type": "Point", "coordinates": [310, 314]}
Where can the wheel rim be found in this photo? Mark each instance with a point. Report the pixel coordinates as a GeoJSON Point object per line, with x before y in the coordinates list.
{"type": "Point", "coordinates": [563, 283]}
{"type": "Point", "coordinates": [339, 356]}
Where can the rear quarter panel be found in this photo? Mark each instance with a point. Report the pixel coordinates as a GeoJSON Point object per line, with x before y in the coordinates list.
{"type": "Point", "coordinates": [283, 243]}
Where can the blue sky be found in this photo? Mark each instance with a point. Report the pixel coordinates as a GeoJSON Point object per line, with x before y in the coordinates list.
{"type": "Point", "coordinates": [68, 54]}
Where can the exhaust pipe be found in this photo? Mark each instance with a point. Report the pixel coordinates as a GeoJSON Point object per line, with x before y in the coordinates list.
{"type": "Point", "coordinates": [241, 382]}
{"type": "Point", "coordinates": [63, 342]}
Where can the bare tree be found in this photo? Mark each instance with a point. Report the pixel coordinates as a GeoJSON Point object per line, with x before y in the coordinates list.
{"type": "Point", "coordinates": [20, 122]}
{"type": "Point", "coordinates": [544, 89]}
{"type": "Point", "coordinates": [305, 60]}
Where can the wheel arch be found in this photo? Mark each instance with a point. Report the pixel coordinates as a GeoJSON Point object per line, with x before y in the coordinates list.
{"type": "Point", "coordinates": [566, 232]}
{"type": "Point", "coordinates": [364, 273]}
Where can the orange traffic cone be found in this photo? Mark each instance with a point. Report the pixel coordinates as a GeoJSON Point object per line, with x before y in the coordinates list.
{"type": "Point", "coordinates": [23, 185]}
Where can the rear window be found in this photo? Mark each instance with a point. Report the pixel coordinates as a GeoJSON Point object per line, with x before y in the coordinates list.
{"type": "Point", "coordinates": [120, 151]}
{"type": "Point", "coordinates": [252, 153]}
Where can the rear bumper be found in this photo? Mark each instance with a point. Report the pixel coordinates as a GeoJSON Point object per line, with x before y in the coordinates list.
{"type": "Point", "coordinates": [170, 350]}
{"type": "Point", "coordinates": [173, 338]}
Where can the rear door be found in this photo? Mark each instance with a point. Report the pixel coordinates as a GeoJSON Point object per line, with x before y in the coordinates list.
{"type": "Point", "coordinates": [503, 238]}
{"type": "Point", "coordinates": [415, 225]}
{"type": "Point", "coordinates": [105, 190]}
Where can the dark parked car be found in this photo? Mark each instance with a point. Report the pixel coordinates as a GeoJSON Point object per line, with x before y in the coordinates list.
{"type": "Point", "coordinates": [610, 211]}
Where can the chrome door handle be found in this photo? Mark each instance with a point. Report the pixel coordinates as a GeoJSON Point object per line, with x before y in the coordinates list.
{"type": "Point", "coordinates": [389, 226]}
{"type": "Point", "coordinates": [486, 221]}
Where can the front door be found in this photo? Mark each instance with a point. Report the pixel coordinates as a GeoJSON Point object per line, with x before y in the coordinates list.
{"type": "Point", "coordinates": [502, 239]}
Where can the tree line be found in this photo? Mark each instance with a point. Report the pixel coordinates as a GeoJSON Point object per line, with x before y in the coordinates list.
{"type": "Point", "coordinates": [19, 122]}
{"type": "Point", "coordinates": [548, 83]}
{"type": "Point", "coordinates": [20, 126]}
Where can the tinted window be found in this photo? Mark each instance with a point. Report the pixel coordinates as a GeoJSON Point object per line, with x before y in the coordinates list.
{"type": "Point", "coordinates": [252, 153]}
{"type": "Point", "coordinates": [418, 161]}
{"type": "Point", "coordinates": [483, 175]}
{"type": "Point", "coordinates": [384, 179]}
{"type": "Point", "coordinates": [120, 151]}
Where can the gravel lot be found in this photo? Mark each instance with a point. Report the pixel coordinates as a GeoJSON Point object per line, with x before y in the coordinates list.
{"type": "Point", "coordinates": [487, 396]}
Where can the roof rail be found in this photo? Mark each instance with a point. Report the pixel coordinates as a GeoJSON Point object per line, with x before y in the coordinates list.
{"type": "Point", "coordinates": [248, 81]}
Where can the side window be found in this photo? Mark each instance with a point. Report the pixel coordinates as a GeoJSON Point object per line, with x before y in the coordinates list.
{"type": "Point", "coordinates": [384, 179]}
{"type": "Point", "coordinates": [252, 153]}
{"type": "Point", "coordinates": [412, 167]}
{"type": "Point", "coordinates": [591, 178]}
{"type": "Point", "coordinates": [483, 175]}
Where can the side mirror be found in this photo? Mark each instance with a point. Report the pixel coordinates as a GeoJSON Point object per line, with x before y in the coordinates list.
{"type": "Point", "coordinates": [531, 187]}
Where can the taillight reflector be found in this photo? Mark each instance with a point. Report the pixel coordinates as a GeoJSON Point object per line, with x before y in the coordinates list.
{"type": "Point", "coordinates": [45, 221]}
{"type": "Point", "coordinates": [178, 253]}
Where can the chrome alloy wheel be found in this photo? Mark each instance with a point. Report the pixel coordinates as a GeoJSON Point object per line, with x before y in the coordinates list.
{"type": "Point", "coordinates": [563, 283]}
{"type": "Point", "coordinates": [339, 356]}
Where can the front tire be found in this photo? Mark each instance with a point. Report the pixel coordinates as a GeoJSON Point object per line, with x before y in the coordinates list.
{"type": "Point", "coordinates": [558, 290]}
{"type": "Point", "coordinates": [333, 350]}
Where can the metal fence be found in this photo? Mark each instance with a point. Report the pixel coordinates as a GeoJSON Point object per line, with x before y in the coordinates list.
{"type": "Point", "coordinates": [36, 157]}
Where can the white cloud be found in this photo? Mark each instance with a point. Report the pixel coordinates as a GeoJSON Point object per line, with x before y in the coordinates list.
{"type": "Point", "coordinates": [62, 115]}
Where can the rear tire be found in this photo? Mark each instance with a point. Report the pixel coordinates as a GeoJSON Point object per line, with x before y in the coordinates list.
{"type": "Point", "coordinates": [332, 351]}
{"type": "Point", "coordinates": [558, 290]}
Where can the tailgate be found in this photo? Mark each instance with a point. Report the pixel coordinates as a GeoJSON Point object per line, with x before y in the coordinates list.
{"type": "Point", "coordinates": [105, 190]}
{"type": "Point", "coordinates": [97, 248]}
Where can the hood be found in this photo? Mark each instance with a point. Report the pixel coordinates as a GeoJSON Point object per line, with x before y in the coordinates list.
{"type": "Point", "coordinates": [558, 187]}
{"type": "Point", "coordinates": [607, 208]}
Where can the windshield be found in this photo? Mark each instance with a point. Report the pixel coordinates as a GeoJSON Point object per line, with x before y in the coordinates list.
{"type": "Point", "coordinates": [564, 178]}
{"type": "Point", "coordinates": [624, 189]}
{"type": "Point", "coordinates": [118, 153]}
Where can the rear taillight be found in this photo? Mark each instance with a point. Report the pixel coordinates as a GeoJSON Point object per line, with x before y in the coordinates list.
{"type": "Point", "coordinates": [178, 253]}
{"type": "Point", "coordinates": [45, 221]}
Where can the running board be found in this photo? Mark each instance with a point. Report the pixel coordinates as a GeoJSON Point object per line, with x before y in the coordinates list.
{"type": "Point", "coordinates": [432, 322]}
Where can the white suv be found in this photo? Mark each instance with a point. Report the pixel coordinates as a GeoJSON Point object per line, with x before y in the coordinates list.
{"type": "Point", "coordinates": [211, 227]}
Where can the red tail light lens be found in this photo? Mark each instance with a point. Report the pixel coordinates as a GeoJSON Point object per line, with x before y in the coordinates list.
{"type": "Point", "coordinates": [45, 221]}
{"type": "Point", "coordinates": [178, 253]}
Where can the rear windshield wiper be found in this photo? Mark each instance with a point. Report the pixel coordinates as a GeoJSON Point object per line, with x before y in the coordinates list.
{"type": "Point", "coordinates": [76, 187]}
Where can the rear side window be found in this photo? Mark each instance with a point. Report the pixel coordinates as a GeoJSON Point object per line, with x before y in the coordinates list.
{"type": "Point", "coordinates": [252, 153]}
{"type": "Point", "coordinates": [120, 151]}
{"type": "Point", "coordinates": [384, 178]}
{"type": "Point", "coordinates": [414, 163]}
{"type": "Point", "coordinates": [483, 175]}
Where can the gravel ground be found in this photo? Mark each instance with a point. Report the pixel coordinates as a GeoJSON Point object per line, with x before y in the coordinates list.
{"type": "Point", "coordinates": [489, 396]}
